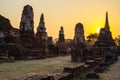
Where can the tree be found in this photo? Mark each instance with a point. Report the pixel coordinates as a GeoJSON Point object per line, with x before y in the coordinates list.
{"type": "Point", "coordinates": [55, 40]}
{"type": "Point", "coordinates": [69, 42]}
{"type": "Point", "coordinates": [92, 36]}
{"type": "Point", "coordinates": [117, 40]}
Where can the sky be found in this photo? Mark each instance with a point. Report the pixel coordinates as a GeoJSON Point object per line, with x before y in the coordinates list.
{"type": "Point", "coordinates": [66, 13]}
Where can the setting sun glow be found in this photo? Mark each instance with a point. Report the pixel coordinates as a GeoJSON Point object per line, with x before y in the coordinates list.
{"type": "Point", "coordinates": [66, 13]}
{"type": "Point", "coordinates": [98, 29]}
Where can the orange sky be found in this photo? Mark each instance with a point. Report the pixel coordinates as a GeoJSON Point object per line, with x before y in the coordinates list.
{"type": "Point", "coordinates": [66, 13]}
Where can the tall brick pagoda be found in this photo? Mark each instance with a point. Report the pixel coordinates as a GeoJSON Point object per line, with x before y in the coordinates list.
{"type": "Point", "coordinates": [105, 44]}
{"type": "Point", "coordinates": [41, 37]}
{"type": "Point", "coordinates": [61, 43]}
{"type": "Point", "coordinates": [27, 26]}
{"type": "Point", "coordinates": [77, 53]}
{"type": "Point", "coordinates": [105, 37]}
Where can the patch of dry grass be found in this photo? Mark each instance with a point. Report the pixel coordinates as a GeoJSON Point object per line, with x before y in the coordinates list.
{"type": "Point", "coordinates": [113, 72]}
{"type": "Point", "coordinates": [47, 66]}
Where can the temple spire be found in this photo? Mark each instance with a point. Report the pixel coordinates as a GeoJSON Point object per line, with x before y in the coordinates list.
{"type": "Point", "coordinates": [61, 35]}
{"type": "Point", "coordinates": [42, 18]}
{"type": "Point", "coordinates": [107, 22]}
{"type": "Point", "coordinates": [41, 26]}
{"type": "Point", "coordinates": [61, 30]}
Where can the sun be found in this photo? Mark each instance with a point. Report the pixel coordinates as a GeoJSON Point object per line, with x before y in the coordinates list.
{"type": "Point", "coordinates": [98, 29]}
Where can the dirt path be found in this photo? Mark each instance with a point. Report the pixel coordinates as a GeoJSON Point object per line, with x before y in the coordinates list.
{"type": "Point", "coordinates": [113, 73]}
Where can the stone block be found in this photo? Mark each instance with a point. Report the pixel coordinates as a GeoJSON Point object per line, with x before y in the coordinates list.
{"type": "Point", "coordinates": [90, 62]}
{"type": "Point", "coordinates": [75, 70]}
{"type": "Point", "coordinates": [63, 76]}
{"type": "Point", "coordinates": [38, 77]}
{"type": "Point", "coordinates": [92, 76]}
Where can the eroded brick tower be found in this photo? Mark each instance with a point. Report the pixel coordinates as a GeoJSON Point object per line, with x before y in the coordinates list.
{"type": "Point", "coordinates": [27, 26]}
{"type": "Point", "coordinates": [41, 37]}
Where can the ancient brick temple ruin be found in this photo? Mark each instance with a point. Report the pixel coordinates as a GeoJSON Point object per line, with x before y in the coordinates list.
{"type": "Point", "coordinates": [27, 35]}
{"type": "Point", "coordinates": [41, 37]}
{"type": "Point", "coordinates": [105, 36]}
{"type": "Point", "coordinates": [62, 48]}
{"type": "Point", "coordinates": [53, 50]}
{"type": "Point", "coordinates": [24, 43]}
{"type": "Point", "coordinates": [105, 44]}
{"type": "Point", "coordinates": [78, 48]}
{"type": "Point", "coordinates": [35, 43]}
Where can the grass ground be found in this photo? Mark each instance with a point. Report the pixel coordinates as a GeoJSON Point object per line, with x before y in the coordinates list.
{"type": "Point", "coordinates": [113, 72]}
{"type": "Point", "coordinates": [47, 66]}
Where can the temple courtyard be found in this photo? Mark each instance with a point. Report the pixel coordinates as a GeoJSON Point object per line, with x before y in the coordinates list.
{"type": "Point", "coordinates": [49, 66]}
{"type": "Point", "coordinates": [20, 69]}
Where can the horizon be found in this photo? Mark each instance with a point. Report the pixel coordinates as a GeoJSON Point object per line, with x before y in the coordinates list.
{"type": "Point", "coordinates": [67, 14]}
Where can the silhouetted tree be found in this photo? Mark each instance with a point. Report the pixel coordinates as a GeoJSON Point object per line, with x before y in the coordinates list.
{"type": "Point", "coordinates": [55, 40]}
{"type": "Point", "coordinates": [92, 36]}
{"type": "Point", "coordinates": [69, 42]}
{"type": "Point", "coordinates": [117, 40]}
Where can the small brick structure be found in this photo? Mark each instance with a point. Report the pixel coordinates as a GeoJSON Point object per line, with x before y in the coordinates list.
{"type": "Point", "coordinates": [38, 77]}
{"type": "Point", "coordinates": [75, 70]}
{"type": "Point", "coordinates": [61, 45]}
{"type": "Point", "coordinates": [90, 62]}
{"type": "Point", "coordinates": [63, 76]}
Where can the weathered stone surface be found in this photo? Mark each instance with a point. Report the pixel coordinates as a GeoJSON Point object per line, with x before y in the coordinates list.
{"type": "Point", "coordinates": [8, 34]}
{"type": "Point", "coordinates": [61, 35]}
{"type": "Point", "coordinates": [41, 30]}
{"type": "Point", "coordinates": [53, 50]}
{"type": "Point", "coordinates": [90, 62]}
{"type": "Point", "coordinates": [86, 66]}
{"type": "Point", "coordinates": [50, 41]}
{"type": "Point", "coordinates": [106, 44]}
{"type": "Point", "coordinates": [105, 37]}
{"type": "Point", "coordinates": [41, 37]}
{"type": "Point", "coordinates": [101, 68]}
{"type": "Point", "coordinates": [1, 36]}
{"type": "Point", "coordinates": [79, 35]}
{"type": "Point", "coordinates": [92, 76]}
{"type": "Point", "coordinates": [75, 70]}
{"type": "Point", "coordinates": [38, 77]}
{"type": "Point", "coordinates": [27, 26]}
{"type": "Point", "coordinates": [62, 48]}
{"type": "Point", "coordinates": [63, 76]}
{"type": "Point", "coordinates": [5, 24]}
{"type": "Point", "coordinates": [5, 27]}
{"type": "Point", "coordinates": [78, 51]}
